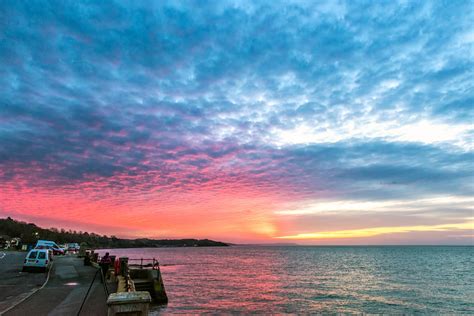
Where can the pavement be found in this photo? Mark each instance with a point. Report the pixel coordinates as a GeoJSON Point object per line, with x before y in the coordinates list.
{"type": "Point", "coordinates": [64, 292]}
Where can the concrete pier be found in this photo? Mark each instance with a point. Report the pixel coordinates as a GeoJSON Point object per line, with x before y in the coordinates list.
{"type": "Point", "coordinates": [137, 287]}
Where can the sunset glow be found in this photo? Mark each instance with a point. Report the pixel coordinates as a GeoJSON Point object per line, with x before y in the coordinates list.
{"type": "Point", "coordinates": [375, 231]}
{"type": "Point", "coordinates": [240, 121]}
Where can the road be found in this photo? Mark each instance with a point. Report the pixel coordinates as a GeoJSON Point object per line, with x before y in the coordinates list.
{"type": "Point", "coordinates": [14, 284]}
{"type": "Point", "coordinates": [64, 292]}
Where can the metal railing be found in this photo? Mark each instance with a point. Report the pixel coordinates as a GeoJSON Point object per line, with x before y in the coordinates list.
{"type": "Point", "coordinates": [144, 263]}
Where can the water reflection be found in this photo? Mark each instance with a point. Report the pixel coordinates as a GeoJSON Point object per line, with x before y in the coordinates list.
{"type": "Point", "coordinates": [314, 279]}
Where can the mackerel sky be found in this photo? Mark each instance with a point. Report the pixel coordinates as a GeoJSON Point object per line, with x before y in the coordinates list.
{"type": "Point", "coordinates": [245, 121]}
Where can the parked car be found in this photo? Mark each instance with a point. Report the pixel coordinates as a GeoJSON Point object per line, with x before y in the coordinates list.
{"type": "Point", "coordinates": [73, 247]}
{"type": "Point", "coordinates": [43, 244]}
{"type": "Point", "coordinates": [38, 259]}
{"type": "Point", "coordinates": [55, 251]}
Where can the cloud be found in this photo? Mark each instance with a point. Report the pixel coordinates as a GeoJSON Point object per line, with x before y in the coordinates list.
{"type": "Point", "coordinates": [294, 101]}
{"type": "Point", "coordinates": [410, 206]}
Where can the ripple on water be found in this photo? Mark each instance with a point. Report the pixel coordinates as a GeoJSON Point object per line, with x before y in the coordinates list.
{"type": "Point", "coordinates": [315, 279]}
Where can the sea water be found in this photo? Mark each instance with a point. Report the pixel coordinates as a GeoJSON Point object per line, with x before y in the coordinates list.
{"type": "Point", "coordinates": [300, 279]}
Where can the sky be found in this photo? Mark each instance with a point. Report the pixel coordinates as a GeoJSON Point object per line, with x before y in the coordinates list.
{"type": "Point", "coordinates": [308, 122]}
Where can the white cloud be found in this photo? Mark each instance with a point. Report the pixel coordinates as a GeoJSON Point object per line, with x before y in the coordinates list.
{"type": "Point", "coordinates": [422, 131]}
{"type": "Point", "coordinates": [335, 206]}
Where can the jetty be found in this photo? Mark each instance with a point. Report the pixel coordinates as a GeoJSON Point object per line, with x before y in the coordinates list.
{"type": "Point", "coordinates": [138, 283]}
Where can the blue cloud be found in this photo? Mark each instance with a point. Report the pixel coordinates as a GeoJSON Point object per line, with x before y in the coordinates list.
{"type": "Point", "coordinates": [100, 89]}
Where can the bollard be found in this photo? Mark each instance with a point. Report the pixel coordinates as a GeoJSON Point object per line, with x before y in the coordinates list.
{"type": "Point", "coordinates": [112, 267]}
{"type": "Point", "coordinates": [95, 257]}
{"type": "Point", "coordinates": [123, 266]}
{"type": "Point", "coordinates": [87, 260]}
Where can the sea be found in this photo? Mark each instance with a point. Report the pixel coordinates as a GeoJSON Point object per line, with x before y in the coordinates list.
{"type": "Point", "coordinates": [314, 279]}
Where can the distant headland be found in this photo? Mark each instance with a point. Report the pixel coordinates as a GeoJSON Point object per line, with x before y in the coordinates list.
{"type": "Point", "coordinates": [29, 233]}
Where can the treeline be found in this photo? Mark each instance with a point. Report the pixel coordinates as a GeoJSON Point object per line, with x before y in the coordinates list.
{"type": "Point", "coordinates": [30, 233]}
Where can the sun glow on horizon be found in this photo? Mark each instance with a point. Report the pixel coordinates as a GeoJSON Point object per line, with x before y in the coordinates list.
{"type": "Point", "coordinates": [375, 231]}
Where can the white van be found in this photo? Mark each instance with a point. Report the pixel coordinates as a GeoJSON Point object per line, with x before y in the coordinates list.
{"type": "Point", "coordinates": [38, 259]}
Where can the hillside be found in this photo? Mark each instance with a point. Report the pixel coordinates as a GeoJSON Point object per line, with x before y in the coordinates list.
{"type": "Point", "coordinates": [29, 233]}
